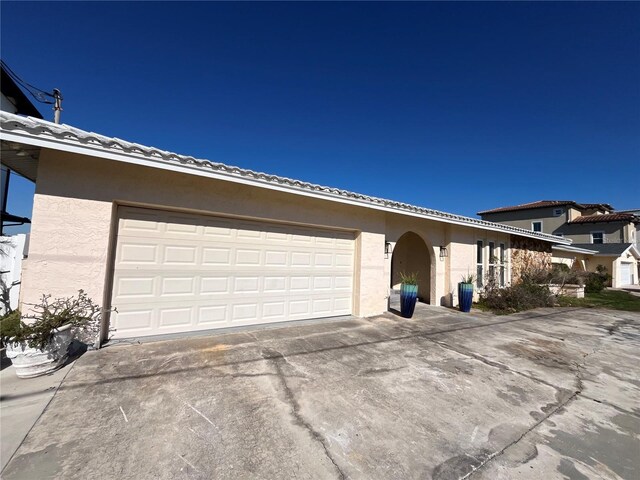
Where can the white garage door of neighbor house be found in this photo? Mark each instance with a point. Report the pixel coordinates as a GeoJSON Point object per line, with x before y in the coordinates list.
{"type": "Point", "coordinates": [178, 272]}
{"type": "Point", "coordinates": [625, 273]}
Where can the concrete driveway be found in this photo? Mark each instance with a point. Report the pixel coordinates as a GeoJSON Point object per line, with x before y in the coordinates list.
{"type": "Point", "coordinates": [548, 394]}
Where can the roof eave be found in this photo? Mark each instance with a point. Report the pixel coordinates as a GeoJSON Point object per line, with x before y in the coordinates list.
{"type": "Point", "coordinates": [194, 167]}
{"type": "Point", "coordinates": [572, 249]}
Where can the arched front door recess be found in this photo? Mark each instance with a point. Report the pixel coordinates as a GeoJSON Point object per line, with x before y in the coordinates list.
{"type": "Point", "coordinates": [411, 254]}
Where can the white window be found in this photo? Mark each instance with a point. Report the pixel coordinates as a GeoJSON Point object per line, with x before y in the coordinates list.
{"type": "Point", "coordinates": [536, 226]}
{"type": "Point", "coordinates": [597, 237]}
{"type": "Point", "coordinates": [502, 259]}
{"type": "Point", "coordinates": [492, 261]}
{"type": "Point", "coordinates": [479, 263]}
{"type": "Point", "coordinates": [557, 212]}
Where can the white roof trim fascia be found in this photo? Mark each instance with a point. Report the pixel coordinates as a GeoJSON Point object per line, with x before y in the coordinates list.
{"type": "Point", "coordinates": [192, 166]}
{"type": "Point", "coordinates": [570, 249]}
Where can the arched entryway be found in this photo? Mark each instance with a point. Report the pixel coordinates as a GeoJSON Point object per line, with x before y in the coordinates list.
{"type": "Point", "coordinates": [411, 254]}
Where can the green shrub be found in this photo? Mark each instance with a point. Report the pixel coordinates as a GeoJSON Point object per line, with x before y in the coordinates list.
{"type": "Point", "coordinates": [596, 281]}
{"type": "Point", "coordinates": [48, 315]}
{"type": "Point", "coordinates": [10, 325]}
{"type": "Point", "coordinates": [516, 298]}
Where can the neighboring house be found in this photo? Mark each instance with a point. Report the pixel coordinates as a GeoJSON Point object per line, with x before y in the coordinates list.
{"type": "Point", "coordinates": [12, 248]}
{"type": "Point", "coordinates": [12, 100]}
{"type": "Point", "coordinates": [599, 234]}
{"type": "Point", "coordinates": [178, 244]}
{"type": "Point", "coordinates": [636, 212]}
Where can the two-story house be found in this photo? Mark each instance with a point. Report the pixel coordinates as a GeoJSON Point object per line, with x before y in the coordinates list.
{"type": "Point", "coordinates": [599, 234]}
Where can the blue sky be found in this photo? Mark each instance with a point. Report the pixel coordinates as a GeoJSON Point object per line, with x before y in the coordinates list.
{"type": "Point", "coordinates": [455, 106]}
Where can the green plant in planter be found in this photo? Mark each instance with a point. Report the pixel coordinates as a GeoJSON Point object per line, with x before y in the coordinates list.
{"type": "Point", "coordinates": [469, 278]}
{"type": "Point", "coordinates": [465, 292]}
{"type": "Point", "coordinates": [10, 326]}
{"type": "Point", "coordinates": [408, 293]}
{"type": "Point", "coordinates": [49, 315]}
{"type": "Point", "coordinates": [409, 278]}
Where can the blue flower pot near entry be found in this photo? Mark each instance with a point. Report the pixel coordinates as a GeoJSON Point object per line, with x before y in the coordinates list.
{"type": "Point", "coordinates": [465, 296]}
{"type": "Point", "coordinates": [408, 298]}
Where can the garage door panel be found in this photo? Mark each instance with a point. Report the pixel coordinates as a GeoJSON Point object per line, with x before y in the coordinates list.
{"type": "Point", "coordinates": [216, 256]}
{"type": "Point", "coordinates": [172, 317]}
{"type": "Point", "coordinates": [138, 253]}
{"type": "Point", "coordinates": [135, 287]}
{"type": "Point", "coordinates": [135, 319]}
{"type": "Point", "coordinates": [625, 273]}
{"type": "Point", "coordinates": [214, 285]}
{"type": "Point", "coordinates": [180, 272]}
{"type": "Point", "coordinates": [209, 315]}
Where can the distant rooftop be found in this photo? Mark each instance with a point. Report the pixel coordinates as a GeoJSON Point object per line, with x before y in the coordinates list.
{"type": "Point", "coordinates": [609, 217]}
{"type": "Point", "coordinates": [548, 203]}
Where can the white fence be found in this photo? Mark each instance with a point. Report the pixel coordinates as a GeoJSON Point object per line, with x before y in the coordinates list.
{"type": "Point", "coordinates": [12, 251]}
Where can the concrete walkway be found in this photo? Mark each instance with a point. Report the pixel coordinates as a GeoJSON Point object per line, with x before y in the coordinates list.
{"type": "Point", "coordinates": [552, 393]}
{"type": "Point", "coordinates": [21, 404]}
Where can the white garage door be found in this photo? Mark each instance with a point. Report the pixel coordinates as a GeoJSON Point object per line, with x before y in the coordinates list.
{"type": "Point", "coordinates": [625, 273]}
{"type": "Point", "coordinates": [178, 272]}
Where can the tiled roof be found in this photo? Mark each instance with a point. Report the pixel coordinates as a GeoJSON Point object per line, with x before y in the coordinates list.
{"type": "Point", "coordinates": [43, 133]}
{"type": "Point", "coordinates": [547, 203]}
{"type": "Point", "coordinates": [609, 217]}
{"type": "Point", "coordinates": [527, 206]}
{"type": "Point", "coordinates": [604, 206]}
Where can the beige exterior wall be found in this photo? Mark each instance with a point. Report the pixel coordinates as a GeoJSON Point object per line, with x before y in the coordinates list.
{"type": "Point", "coordinates": [75, 210]}
{"type": "Point", "coordinates": [613, 266]}
{"type": "Point", "coordinates": [411, 255]}
{"type": "Point", "coordinates": [576, 261]}
{"type": "Point", "coordinates": [614, 232]}
{"type": "Point", "coordinates": [75, 218]}
{"type": "Point", "coordinates": [572, 214]}
{"type": "Point", "coordinates": [524, 218]}
{"type": "Point", "coordinates": [433, 235]}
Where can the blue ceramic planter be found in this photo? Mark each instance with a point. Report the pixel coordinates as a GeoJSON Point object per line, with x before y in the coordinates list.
{"type": "Point", "coordinates": [465, 296]}
{"type": "Point", "coordinates": [408, 298]}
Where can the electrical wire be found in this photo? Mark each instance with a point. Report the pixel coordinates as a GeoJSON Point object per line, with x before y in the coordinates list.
{"type": "Point", "coordinates": [39, 95]}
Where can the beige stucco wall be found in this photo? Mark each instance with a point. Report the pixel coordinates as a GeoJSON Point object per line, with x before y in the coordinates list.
{"type": "Point", "coordinates": [524, 218]}
{"type": "Point", "coordinates": [576, 261]}
{"type": "Point", "coordinates": [613, 266]}
{"type": "Point", "coordinates": [614, 232]}
{"type": "Point", "coordinates": [411, 255]}
{"type": "Point", "coordinates": [75, 212]}
{"type": "Point", "coordinates": [433, 235]}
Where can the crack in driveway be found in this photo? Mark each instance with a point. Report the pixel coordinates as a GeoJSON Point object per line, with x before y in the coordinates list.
{"type": "Point", "coordinates": [278, 358]}
{"type": "Point", "coordinates": [579, 388]}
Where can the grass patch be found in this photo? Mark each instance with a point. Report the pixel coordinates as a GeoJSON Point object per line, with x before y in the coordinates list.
{"type": "Point", "coordinates": [613, 299]}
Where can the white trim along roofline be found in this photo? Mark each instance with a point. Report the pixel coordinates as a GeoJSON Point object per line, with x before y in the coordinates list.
{"type": "Point", "coordinates": [572, 249]}
{"type": "Point", "coordinates": [40, 133]}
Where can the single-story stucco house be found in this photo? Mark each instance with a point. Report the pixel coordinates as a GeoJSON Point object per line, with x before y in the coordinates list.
{"type": "Point", "coordinates": [178, 244]}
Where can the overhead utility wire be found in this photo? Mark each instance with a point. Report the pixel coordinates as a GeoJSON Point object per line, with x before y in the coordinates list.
{"type": "Point", "coordinates": [39, 95]}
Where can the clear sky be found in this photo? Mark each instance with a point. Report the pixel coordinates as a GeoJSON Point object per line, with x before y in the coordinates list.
{"type": "Point", "coordinates": [455, 106]}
